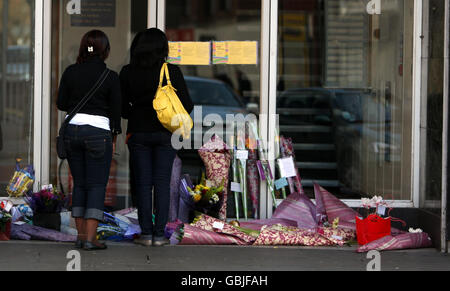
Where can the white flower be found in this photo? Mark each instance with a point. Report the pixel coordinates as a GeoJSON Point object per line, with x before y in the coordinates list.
{"type": "Point", "coordinates": [91, 49]}
{"type": "Point", "coordinates": [377, 200]}
{"type": "Point", "coordinates": [366, 202]}
{"type": "Point", "coordinates": [412, 230]}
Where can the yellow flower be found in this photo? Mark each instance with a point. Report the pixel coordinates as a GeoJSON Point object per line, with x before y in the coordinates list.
{"type": "Point", "coordinates": [197, 198]}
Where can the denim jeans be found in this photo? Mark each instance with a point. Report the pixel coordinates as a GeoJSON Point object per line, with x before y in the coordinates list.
{"type": "Point", "coordinates": [151, 157]}
{"type": "Point", "coordinates": [89, 156]}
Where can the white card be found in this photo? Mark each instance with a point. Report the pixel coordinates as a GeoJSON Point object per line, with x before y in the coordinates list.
{"type": "Point", "coordinates": [337, 237]}
{"type": "Point", "coordinates": [242, 155]}
{"type": "Point", "coordinates": [218, 225]}
{"type": "Point", "coordinates": [236, 187]}
{"type": "Point", "coordinates": [287, 167]}
{"type": "Point", "coordinates": [381, 210]}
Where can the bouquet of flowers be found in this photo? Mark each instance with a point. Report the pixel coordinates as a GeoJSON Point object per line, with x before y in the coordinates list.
{"type": "Point", "coordinates": [48, 200]}
{"type": "Point", "coordinates": [207, 198]}
{"type": "Point", "coordinates": [373, 226]}
{"type": "Point", "coordinates": [5, 224]}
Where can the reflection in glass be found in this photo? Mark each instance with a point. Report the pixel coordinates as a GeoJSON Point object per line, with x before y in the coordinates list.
{"type": "Point", "coordinates": [343, 97]}
{"type": "Point", "coordinates": [16, 78]}
{"type": "Point", "coordinates": [218, 89]}
{"type": "Point", "coordinates": [121, 21]}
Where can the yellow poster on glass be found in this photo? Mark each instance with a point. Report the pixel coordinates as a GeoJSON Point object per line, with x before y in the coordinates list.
{"type": "Point", "coordinates": [235, 52]}
{"type": "Point", "coordinates": [190, 53]}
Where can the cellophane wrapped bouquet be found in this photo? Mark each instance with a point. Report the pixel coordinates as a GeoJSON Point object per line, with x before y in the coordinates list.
{"type": "Point", "coordinates": [207, 198]}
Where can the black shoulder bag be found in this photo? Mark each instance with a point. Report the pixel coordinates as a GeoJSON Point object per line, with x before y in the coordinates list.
{"type": "Point", "coordinates": [60, 146]}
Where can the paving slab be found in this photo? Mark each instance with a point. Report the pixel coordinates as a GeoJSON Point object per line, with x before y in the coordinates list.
{"type": "Point", "coordinates": [46, 256]}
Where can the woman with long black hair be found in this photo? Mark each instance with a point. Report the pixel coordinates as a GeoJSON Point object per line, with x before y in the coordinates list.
{"type": "Point", "coordinates": [151, 151]}
{"type": "Point", "coordinates": [91, 134]}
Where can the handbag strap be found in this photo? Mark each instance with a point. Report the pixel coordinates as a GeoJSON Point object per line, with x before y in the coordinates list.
{"type": "Point", "coordinates": [88, 96]}
{"type": "Point", "coordinates": [164, 72]}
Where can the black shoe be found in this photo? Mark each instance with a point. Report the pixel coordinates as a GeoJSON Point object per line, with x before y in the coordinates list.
{"type": "Point", "coordinates": [79, 244]}
{"type": "Point", "coordinates": [88, 246]}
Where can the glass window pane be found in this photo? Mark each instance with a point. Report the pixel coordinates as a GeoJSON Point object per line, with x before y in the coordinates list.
{"type": "Point", "coordinates": [217, 89]}
{"type": "Point", "coordinates": [16, 90]}
{"type": "Point", "coordinates": [344, 94]}
{"type": "Point", "coordinates": [121, 21]}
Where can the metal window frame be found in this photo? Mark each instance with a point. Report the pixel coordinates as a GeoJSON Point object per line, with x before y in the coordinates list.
{"type": "Point", "coordinates": [268, 93]}
{"type": "Point", "coordinates": [42, 92]}
{"type": "Point", "coordinates": [445, 141]}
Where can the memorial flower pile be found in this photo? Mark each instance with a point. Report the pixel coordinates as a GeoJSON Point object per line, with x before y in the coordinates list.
{"type": "Point", "coordinates": [207, 198]}
{"type": "Point", "coordinates": [4, 219]}
{"type": "Point", "coordinates": [48, 200]}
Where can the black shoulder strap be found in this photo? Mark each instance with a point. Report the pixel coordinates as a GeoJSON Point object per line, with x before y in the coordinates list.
{"type": "Point", "coordinates": [88, 96]}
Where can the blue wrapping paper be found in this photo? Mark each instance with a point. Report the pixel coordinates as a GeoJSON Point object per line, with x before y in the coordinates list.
{"type": "Point", "coordinates": [175, 189]}
{"type": "Point", "coordinates": [186, 204]}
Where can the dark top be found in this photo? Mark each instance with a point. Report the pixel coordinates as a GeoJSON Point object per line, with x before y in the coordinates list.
{"type": "Point", "coordinates": [79, 79]}
{"type": "Point", "coordinates": [139, 87]}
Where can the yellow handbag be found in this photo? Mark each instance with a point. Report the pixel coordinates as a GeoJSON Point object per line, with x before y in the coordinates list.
{"type": "Point", "coordinates": [169, 109]}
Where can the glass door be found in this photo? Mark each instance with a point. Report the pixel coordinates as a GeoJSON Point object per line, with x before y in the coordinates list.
{"type": "Point", "coordinates": [219, 85]}
{"type": "Point", "coordinates": [120, 20]}
{"type": "Point", "coordinates": [345, 94]}
{"type": "Point", "coordinates": [16, 86]}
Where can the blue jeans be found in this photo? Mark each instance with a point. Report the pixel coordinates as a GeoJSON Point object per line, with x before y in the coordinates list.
{"type": "Point", "coordinates": [151, 157]}
{"type": "Point", "coordinates": [89, 155]}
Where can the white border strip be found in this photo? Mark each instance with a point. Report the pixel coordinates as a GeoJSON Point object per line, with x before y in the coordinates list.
{"type": "Point", "coordinates": [161, 19]}
{"type": "Point", "coordinates": [265, 201]}
{"type": "Point", "coordinates": [444, 248]}
{"type": "Point", "coordinates": [416, 101]}
{"type": "Point", "coordinates": [152, 16]}
{"type": "Point", "coordinates": [38, 75]}
{"type": "Point", "coordinates": [357, 203]}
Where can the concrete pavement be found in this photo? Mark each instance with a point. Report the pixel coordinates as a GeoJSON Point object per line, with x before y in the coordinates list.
{"type": "Point", "coordinates": [45, 256]}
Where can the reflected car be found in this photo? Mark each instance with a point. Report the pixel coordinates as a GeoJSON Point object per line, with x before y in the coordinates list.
{"type": "Point", "coordinates": [213, 97]}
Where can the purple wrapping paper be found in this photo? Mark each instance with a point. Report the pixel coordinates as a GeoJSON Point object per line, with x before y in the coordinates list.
{"type": "Point", "coordinates": [300, 208]}
{"type": "Point", "coordinates": [186, 204]}
{"type": "Point", "coordinates": [253, 185]}
{"type": "Point", "coordinates": [399, 242]}
{"type": "Point", "coordinates": [175, 189]}
{"type": "Point", "coordinates": [30, 232]}
{"type": "Point", "coordinates": [333, 206]}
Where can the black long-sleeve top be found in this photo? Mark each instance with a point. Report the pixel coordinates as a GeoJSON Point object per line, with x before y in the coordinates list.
{"type": "Point", "coordinates": [139, 87]}
{"type": "Point", "coordinates": [78, 79]}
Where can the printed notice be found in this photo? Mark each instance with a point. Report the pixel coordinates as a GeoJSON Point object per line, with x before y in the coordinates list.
{"type": "Point", "coordinates": [236, 187]}
{"type": "Point", "coordinates": [190, 53]}
{"type": "Point", "coordinates": [95, 13]}
{"type": "Point", "coordinates": [235, 52]}
{"type": "Point", "coordinates": [287, 167]}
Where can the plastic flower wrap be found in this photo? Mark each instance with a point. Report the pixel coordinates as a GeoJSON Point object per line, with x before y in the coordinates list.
{"type": "Point", "coordinates": [217, 159]}
{"type": "Point", "coordinates": [298, 207]}
{"type": "Point", "coordinates": [22, 181]}
{"type": "Point", "coordinates": [398, 242]}
{"type": "Point", "coordinates": [48, 200]}
{"type": "Point", "coordinates": [207, 198]}
{"type": "Point", "coordinates": [208, 223]}
{"type": "Point", "coordinates": [174, 189]}
{"type": "Point", "coordinates": [4, 219]}
{"type": "Point", "coordinates": [186, 234]}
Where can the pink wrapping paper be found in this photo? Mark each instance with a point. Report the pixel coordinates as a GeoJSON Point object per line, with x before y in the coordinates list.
{"type": "Point", "coordinates": [290, 236]}
{"type": "Point", "coordinates": [300, 208]}
{"type": "Point", "coordinates": [253, 183]}
{"type": "Point", "coordinates": [334, 207]}
{"type": "Point", "coordinates": [339, 236]}
{"type": "Point", "coordinates": [197, 236]}
{"type": "Point", "coordinates": [399, 242]}
{"type": "Point", "coordinates": [206, 222]}
{"type": "Point", "coordinates": [217, 160]}
{"type": "Point", "coordinates": [258, 224]}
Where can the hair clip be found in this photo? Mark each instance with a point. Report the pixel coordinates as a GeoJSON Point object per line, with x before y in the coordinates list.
{"type": "Point", "coordinates": [91, 49]}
